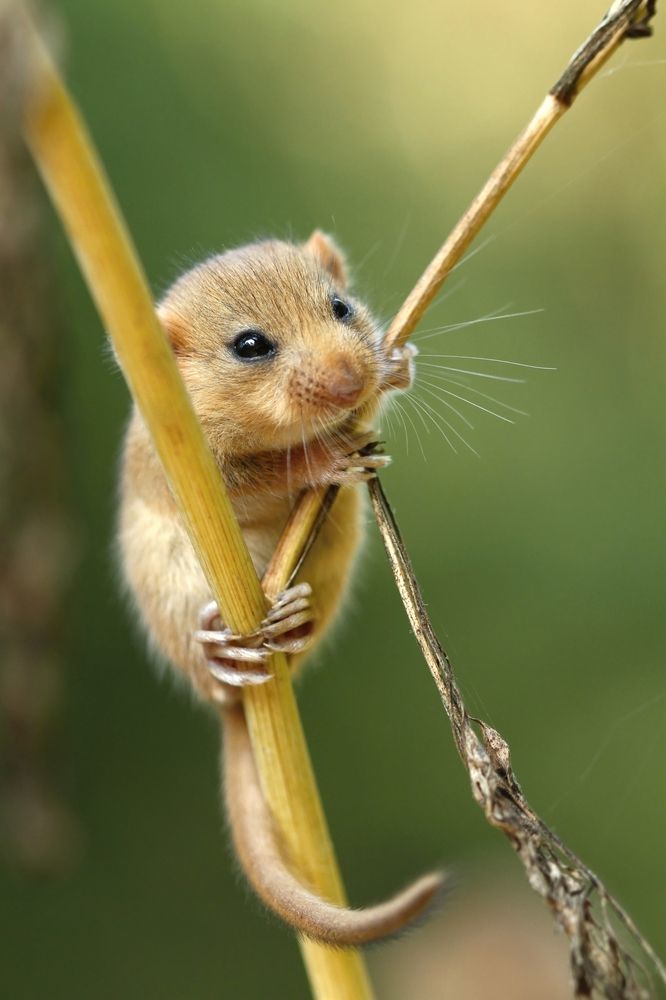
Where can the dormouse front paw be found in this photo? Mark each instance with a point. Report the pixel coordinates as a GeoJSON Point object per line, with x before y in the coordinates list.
{"type": "Point", "coordinates": [361, 463]}
{"type": "Point", "coordinates": [400, 368]}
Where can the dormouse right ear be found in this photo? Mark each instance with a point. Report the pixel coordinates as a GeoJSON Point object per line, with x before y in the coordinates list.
{"type": "Point", "coordinates": [329, 256]}
{"type": "Point", "coordinates": [176, 330]}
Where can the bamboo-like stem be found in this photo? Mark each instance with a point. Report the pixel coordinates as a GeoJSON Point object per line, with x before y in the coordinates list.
{"type": "Point", "coordinates": [75, 179]}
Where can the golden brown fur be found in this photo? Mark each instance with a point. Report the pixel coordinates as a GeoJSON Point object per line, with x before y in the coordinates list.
{"type": "Point", "coordinates": [275, 425]}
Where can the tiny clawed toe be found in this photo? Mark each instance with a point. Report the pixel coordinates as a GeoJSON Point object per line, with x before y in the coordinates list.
{"type": "Point", "coordinates": [284, 625]}
{"type": "Point", "coordinates": [220, 636]}
{"type": "Point", "coordinates": [209, 616]}
{"type": "Point", "coordinates": [291, 594]}
{"type": "Point", "coordinates": [290, 646]}
{"type": "Point", "coordinates": [277, 614]}
{"type": "Point", "coordinates": [236, 677]}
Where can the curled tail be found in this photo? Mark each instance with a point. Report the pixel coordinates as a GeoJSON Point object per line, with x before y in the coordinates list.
{"type": "Point", "coordinates": [258, 851]}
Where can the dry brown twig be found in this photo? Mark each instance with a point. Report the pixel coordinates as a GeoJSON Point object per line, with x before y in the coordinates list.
{"type": "Point", "coordinates": [600, 964]}
{"type": "Point", "coordinates": [625, 19]}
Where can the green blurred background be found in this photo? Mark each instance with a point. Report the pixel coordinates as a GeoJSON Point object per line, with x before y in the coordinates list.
{"type": "Point", "coordinates": [542, 559]}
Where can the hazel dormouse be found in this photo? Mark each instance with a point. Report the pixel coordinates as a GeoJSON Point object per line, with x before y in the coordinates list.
{"type": "Point", "coordinates": [281, 365]}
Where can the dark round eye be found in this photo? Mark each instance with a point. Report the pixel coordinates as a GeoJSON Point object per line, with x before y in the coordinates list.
{"type": "Point", "coordinates": [341, 309]}
{"type": "Point", "coordinates": [250, 345]}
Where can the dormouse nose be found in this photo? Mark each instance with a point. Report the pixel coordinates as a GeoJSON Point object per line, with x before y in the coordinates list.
{"type": "Point", "coordinates": [344, 382]}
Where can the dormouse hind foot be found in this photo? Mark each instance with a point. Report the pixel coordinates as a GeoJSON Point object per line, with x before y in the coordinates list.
{"type": "Point", "coordinates": [240, 660]}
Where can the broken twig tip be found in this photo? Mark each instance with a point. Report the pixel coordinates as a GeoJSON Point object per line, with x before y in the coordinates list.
{"type": "Point", "coordinates": [625, 19]}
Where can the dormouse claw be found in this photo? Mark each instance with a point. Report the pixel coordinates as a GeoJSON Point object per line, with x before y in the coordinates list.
{"type": "Point", "coordinates": [239, 660]}
{"type": "Point", "coordinates": [361, 463]}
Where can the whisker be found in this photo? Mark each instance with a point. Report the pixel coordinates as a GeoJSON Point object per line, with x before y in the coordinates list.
{"type": "Point", "coordinates": [487, 318]}
{"type": "Point", "coordinates": [366, 257]}
{"type": "Point", "coordinates": [399, 416]}
{"type": "Point", "coordinates": [289, 490]}
{"type": "Point", "coordinates": [457, 412]}
{"type": "Point", "coordinates": [408, 415]}
{"type": "Point", "coordinates": [435, 414]}
{"type": "Point", "coordinates": [470, 402]}
{"type": "Point", "coordinates": [421, 409]}
{"type": "Point", "coordinates": [328, 437]}
{"type": "Point", "coordinates": [632, 65]}
{"type": "Point", "coordinates": [449, 293]}
{"type": "Point", "coordinates": [466, 371]}
{"type": "Point", "coordinates": [398, 246]}
{"type": "Point", "coordinates": [468, 256]}
{"type": "Point", "coordinates": [410, 399]}
{"type": "Point", "coordinates": [467, 322]}
{"type": "Point", "coordinates": [305, 451]}
{"type": "Point", "coordinates": [464, 260]}
{"type": "Point", "coordinates": [497, 361]}
{"type": "Point", "coordinates": [484, 395]}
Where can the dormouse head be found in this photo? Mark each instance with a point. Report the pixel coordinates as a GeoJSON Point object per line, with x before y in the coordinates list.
{"type": "Point", "coordinates": [272, 347]}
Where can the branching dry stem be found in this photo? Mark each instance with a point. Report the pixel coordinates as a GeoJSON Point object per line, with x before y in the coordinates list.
{"type": "Point", "coordinates": [600, 964]}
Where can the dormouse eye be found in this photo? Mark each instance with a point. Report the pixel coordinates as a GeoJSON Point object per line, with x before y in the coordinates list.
{"type": "Point", "coordinates": [341, 310]}
{"type": "Point", "coordinates": [251, 345]}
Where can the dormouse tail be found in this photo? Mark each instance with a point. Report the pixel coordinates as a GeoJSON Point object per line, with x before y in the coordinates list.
{"type": "Point", "coordinates": [258, 851]}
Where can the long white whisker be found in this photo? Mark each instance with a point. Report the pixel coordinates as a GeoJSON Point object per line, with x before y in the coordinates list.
{"type": "Point", "coordinates": [410, 399]}
{"type": "Point", "coordinates": [457, 412]}
{"type": "Point", "coordinates": [289, 492]}
{"type": "Point", "coordinates": [478, 406]}
{"type": "Point", "coordinates": [493, 314]}
{"type": "Point", "coordinates": [466, 371]}
{"type": "Point", "coordinates": [398, 246]}
{"type": "Point", "coordinates": [408, 415]}
{"type": "Point", "coordinates": [484, 395]}
{"type": "Point", "coordinates": [421, 409]}
{"type": "Point", "coordinates": [468, 256]}
{"type": "Point", "coordinates": [449, 293]}
{"type": "Point", "coordinates": [399, 416]}
{"type": "Point", "coordinates": [632, 65]}
{"type": "Point", "coordinates": [497, 361]}
{"type": "Point", "coordinates": [305, 452]}
{"type": "Point", "coordinates": [488, 318]}
{"type": "Point", "coordinates": [366, 257]}
{"type": "Point", "coordinates": [435, 414]}
{"type": "Point", "coordinates": [464, 260]}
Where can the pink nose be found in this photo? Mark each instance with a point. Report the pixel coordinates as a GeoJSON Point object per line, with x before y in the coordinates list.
{"type": "Point", "coordinates": [344, 383]}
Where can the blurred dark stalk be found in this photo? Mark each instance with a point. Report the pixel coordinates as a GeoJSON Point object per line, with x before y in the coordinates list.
{"type": "Point", "coordinates": [37, 830]}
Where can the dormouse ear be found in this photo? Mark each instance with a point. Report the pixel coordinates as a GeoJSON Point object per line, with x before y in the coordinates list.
{"type": "Point", "coordinates": [329, 255]}
{"type": "Point", "coordinates": [176, 330]}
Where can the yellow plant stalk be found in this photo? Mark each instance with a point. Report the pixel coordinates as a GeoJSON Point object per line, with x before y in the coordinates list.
{"type": "Point", "coordinates": [69, 166]}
